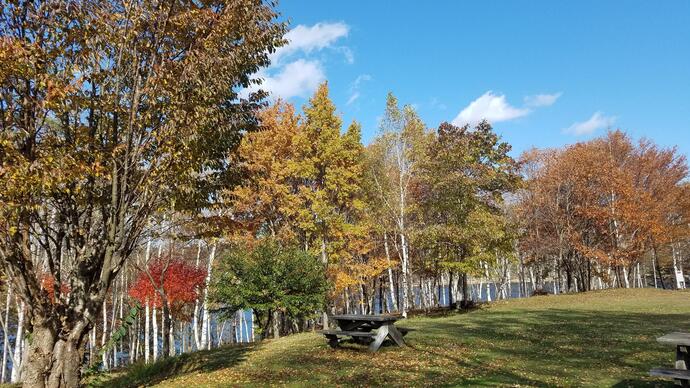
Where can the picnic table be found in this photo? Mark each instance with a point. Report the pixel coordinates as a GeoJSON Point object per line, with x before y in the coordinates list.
{"type": "Point", "coordinates": [680, 373]}
{"type": "Point", "coordinates": [370, 330]}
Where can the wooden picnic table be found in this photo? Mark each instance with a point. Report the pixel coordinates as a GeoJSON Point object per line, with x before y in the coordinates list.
{"type": "Point", "coordinates": [370, 330]}
{"type": "Point", "coordinates": [682, 342]}
{"type": "Point", "coordinates": [680, 373]}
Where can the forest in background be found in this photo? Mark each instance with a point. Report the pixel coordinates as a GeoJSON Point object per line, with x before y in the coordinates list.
{"type": "Point", "coordinates": [148, 210]}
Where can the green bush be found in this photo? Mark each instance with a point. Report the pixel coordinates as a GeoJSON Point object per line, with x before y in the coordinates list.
{"type": "Point", "coordinates": [270, 278]}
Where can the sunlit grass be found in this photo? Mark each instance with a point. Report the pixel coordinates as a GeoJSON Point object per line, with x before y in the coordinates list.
{"type": "Point", "coordinates": [604, 338]}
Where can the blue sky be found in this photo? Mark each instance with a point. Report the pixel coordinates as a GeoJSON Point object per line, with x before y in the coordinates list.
{"type": "Point", "coordinates": [546, 73]}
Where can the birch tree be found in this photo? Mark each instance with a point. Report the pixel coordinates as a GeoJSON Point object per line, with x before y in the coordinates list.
{"type": "Point", "coordinates": [400, 145]}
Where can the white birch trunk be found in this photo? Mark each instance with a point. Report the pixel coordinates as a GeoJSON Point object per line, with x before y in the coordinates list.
{"type": "Point", "coordinates": [112, 323]}
{"type": "Point", "coordinates": [640, 281]}
{"type": "Point", "coordinates": [391, 286]}
{"type": "Point", "coordinates": [205, 327]}
{"type": "Point", "coordinates": [147, 331]}
{"type": "Point", "coordinates": [92, 345]}
{"type": "Point", "coordinates": [480, 289]}
{"type": "Point", "coordinates": [677, 271]}
{"type": "Point", "coordinates": [104, 337]}
{"type": "Point", "coordinates": [532, 279]}
{"type": "Point", "coordinates": [18, 346]}
{"type": "Point", "coordinates": [154, 318]}
{"type": "Point", "coordinates": [171, 336]}
{"type": "Point", "coordinates": [6, 342]}
{"type": "Point", "coordinates": [241, 324]}
{"type": "Point", "coordinates": [195, 317]}
{"type": "Point", "coordinates": [247, 327]}
{"type": "Point", "coordinates": [251, 333]}
{"type": "Point", "coordinates": [555, 276]}
{"type": "Point", "coordinates": [488, 282]}
{"type": "Point", "coordinates": [404, 285]}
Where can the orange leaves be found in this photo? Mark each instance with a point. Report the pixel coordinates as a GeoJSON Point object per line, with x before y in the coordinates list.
{"type": "Point", "coordinates": [48, 284]}
{"type": "Point", "coordinates": [605, 199]}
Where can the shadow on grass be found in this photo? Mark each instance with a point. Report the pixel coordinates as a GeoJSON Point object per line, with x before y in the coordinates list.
{"type": "Point", "coordinates": [559, 346]}
{"type": "Point", "coordinates": [550, 347]}
{"type": "Point", "coordinates": [198, 362]}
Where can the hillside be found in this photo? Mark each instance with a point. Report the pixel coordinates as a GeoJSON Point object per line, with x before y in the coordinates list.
{"type": "Point", "coordinates": [604, 338]}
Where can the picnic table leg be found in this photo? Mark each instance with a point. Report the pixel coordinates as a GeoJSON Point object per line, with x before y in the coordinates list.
{"type": "Point", "coordinates": [333, 341]}
{"type": "Point", "coordinates": [682, 362]}
{"type": "Point", "coordinates": [381, 335]}
{"type": "Point", "coordinates": [682, 357]}
{"type": "Point", "coordinates": [396, 335]}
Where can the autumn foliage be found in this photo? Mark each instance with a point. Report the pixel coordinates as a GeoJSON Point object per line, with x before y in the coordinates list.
{"type": "Point", "coordinates": [48, 284]}
{"type": "Point", "coordinates": [596, 209]}
{"type": "Point", "coordinates": [179, 281]}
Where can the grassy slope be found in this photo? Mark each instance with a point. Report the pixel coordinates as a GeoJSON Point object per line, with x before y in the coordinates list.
{"type": "Point", "coordinates": [596, 339]}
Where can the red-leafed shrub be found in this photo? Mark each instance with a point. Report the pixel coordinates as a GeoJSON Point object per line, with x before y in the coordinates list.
{"type": "Point", "coordinates": [180, 281]}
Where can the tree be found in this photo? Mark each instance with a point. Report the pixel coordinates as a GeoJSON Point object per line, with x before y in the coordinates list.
{"type": "Point", "coordinates": [266, 202]}
{"type": "Point", "coordinates": [465, 180]}
{"type": "Point", "coordinates": [170, 284]}
{"type": "Point", "coordinates": [111, 111]}
{"type": "Point", "coordinates": [594, 209]}
{"type": "Point", "coordinates": [270, 279]}
{"type": "Point", "coordinates": [401, 149]}
{"type": "Point", "coordinates": [329, 171]}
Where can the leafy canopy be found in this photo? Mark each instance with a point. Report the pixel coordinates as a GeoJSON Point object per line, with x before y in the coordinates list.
{"type": "Point", "coordinates": [270, 277]}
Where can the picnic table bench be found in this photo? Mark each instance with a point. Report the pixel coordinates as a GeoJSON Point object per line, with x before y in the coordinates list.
{"type": "Point", "coordinates": [680, 373]}
{"type": "Point", "coordinates": [371, 330]}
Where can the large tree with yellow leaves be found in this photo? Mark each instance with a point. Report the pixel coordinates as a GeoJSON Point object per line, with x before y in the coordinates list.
{"type": "Point", "coordinates": [109, 111]}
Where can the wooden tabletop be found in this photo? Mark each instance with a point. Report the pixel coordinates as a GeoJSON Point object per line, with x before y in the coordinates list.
{"type": "Point", "coordinates": [676, 338]}
{"type": "Point", "coordinates": [368, 318]}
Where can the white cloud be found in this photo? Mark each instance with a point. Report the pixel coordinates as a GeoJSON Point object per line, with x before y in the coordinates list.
{"type": "Point", "coordinates": [307, 39]}
{"type": "Point", "coordinates": [293, 71]}
{"type": "Point", "coordinates": [596, 122]}
{"type": "Point", "coordinates": [296, 79]}
{"type": "Point", "coordinates": [354, 88]}
{"type": "Point", "coordinates": [540, 100]}
{"type": "Point", "coordinates": [491, 107]}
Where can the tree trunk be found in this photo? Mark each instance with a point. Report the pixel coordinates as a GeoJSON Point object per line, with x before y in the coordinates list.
{"type": "Point", "coordinates": [404, 285]}
{"type": "Point", "coordinates": [324, 261]}
{"type": "Point", "coordinates": [18, 339]}
{"type": "Point", "coordinates": [171, 334]}
{"type": "Point", "coordinates": [166, 326]}
{"type": "Point", "coordinates": [5, 332]}
{"type": "Point", "coordinates": [195, 316]}
{"type": "Point", "coordinates": [54, 361]}
{"type": "Point", "coordinates": [92, 346]}
{"type": "Point", "coordinates": [390, 272]}
{"type": "Point", "coordinates": [154, 318]}
{"type": "Point", "coordinates": [104, 336]}
{"type": "Point", "coordinates": [465, 290]}
{"type": "Point", "coordinates": [488, 282]}
{"type": "Point", "coordinates": [451, 299]}
{"type": "Point", "coordinates": [625, 277]}
{"type": "Point", "coordinates": [275, 319]}
{"type": "Point", "coordinates": [147, 330]}
{"type": "Point", "coordinates": [205, 327]}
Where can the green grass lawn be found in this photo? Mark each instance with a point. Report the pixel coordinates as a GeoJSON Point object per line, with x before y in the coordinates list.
{"type": "Point", "coordinates": [604, 338]}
